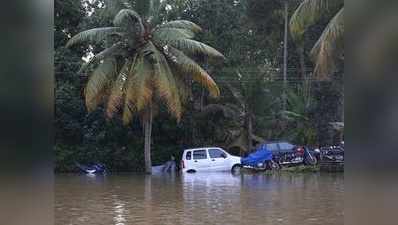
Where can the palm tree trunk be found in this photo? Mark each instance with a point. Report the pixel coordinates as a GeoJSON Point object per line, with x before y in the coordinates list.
{"type": "Point", "coordinates": [147, 144]}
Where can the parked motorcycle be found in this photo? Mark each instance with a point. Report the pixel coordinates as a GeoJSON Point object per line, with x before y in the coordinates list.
{"type": "Point", "coordinates": [300, 155]}
{"type": "Point", "coordinates": [333, 153]}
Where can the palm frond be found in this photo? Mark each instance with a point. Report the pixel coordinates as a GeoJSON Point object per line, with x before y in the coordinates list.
{"type": "Point", "coordinates": [116, 49]}
{"type": "Point", "coordinates": [190, 47]}
{"type": "Point", "coordinates": [130, 20]}
{"type": "Point", "coordinates": [328, 46]}
{"type": "Point", "coordinates": [189, 67]}
{"type": "Point", "coordinates": [99, 82]}
{"type": "Point", "coordinates": [93, 35]}
{"type": "Point", "coordinates": [115, 99]}
{"type": "Point", "coordinates": [182, 24]}
{"type": "Point", "coordinates": [308, 13]}
{"type": "Point", "coordinates": [183, 86]}
{"type": "Point", "coordinates": [166, 84]}
{"type": "Point", "coordinates": [139, 89]}
{"type": "Point", "coordinates": [169, 34]}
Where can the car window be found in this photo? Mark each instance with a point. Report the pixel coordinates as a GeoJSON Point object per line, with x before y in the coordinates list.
{"type": "Point", "coordinates": [272, 147]}
{"type": "Point", "coordinates": [216, 153]}
{"type": "Point", "coordinates": [199, 154]}
{"type": "Point", "coordinates": [188, 156]}
{"type": "Point", "coordinates": [285, 146]}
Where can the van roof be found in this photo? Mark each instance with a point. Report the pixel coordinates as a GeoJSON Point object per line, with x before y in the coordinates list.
{"type": "Point", "coordinates": [199, 148]}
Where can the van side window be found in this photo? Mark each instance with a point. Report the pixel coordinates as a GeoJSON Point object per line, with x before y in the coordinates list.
{"type": "Point", "coordinates": [216, 153]}
{"type": "Point", "coordinates": [272, 147]}
{"type": "Point", "coordinates": [199, 154]}
{"type": "Point", "coordinates": [188, 156]}
{"type": "Point", "coordinates": [285, 146]}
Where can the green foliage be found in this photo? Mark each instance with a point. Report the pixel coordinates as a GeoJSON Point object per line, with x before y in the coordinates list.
{"type": "Point", "coordinates": [147, 71]}
{"type": "Point", "coordinates": [330, 45]}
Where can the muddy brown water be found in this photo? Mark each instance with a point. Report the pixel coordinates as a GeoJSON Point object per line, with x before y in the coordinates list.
{"type": "Point", "coordinates": [201, 198]}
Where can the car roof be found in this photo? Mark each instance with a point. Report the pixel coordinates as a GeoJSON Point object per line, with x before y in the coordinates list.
{"type": "Point", "coordinates": [280, 141]}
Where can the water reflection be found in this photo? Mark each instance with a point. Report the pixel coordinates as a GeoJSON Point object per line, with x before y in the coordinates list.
{"type": "Point", "coordinates": [202, 198]}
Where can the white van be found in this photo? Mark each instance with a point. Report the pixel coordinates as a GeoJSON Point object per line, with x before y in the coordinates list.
{"type": "Point", "coordinates": [208, 159]}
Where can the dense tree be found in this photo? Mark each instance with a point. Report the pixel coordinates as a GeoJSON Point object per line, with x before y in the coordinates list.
{"type": "Point", "coordinates": [144, 63]}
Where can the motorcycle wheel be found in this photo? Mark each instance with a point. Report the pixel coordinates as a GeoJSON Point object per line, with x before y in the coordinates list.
{"type": "Point", "coordinates": [275, 165]}
{"type": "Point", "coordinates": [311, 161]}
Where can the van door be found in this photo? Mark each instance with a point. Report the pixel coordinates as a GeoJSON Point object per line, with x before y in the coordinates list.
{"type": "Point", "coordinates": [188, 159]}
{"type": "Point", "coordinates": [218, 160]}
{"type": "Point", "coordinates": [201, 160]}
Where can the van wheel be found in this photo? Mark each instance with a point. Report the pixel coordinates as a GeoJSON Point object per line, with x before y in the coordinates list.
{"type": "Point", "coordinates": [236, 169]}
{"type": "Point", "coordinates": [191, 171]}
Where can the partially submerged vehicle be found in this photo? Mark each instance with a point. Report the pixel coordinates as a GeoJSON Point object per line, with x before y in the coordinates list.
{"type": "Point", "coordinates": [167, 167]}
{"type": "Point", "coordinates": [208, 159]}
{"type": "Point", "coordinates": [261, 159]}
{"type": "Point", "coordinates": [332, 153]}
{"type": "Point", "coordinates": [287, 154]}
{"type": "Point", "coordinates": [95, 168]}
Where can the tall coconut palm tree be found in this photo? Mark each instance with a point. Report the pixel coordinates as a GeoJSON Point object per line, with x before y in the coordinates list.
{"type": "Point", "coordinates": [330, 44]}
{"type": "Point", "coordinates": [143, 65]}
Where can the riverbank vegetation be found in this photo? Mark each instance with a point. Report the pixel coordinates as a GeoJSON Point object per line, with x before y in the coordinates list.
{"type": "Point", "coordinates": [255, 102]}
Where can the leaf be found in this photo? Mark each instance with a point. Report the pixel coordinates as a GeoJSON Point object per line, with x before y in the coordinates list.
{"type": "Point", "coordinates": [168, 34]}
{"type": "Point", "coordinates": [293, 116]}
{"type": "Point", "coordinates": [190, 47]}
{"type": "Point", "coordinates": [139, 89]}
{"type": "Point", "coordinates": [99, 81]}
{"type": "Point", "coordinates": [327, 47]}
{"type": "Point", "coordinates": [166, 84]}
{"type": "Point", "coordinates": [189, 67]}
{"type": "Point", "coordinates": [131, 21]}
{"type": "Point", "coordinates": [182, 24]}
{"type": "Point", "coordinates": [308, 13]}
{"type": "Point", "coordinates": [116, 49]}
{"type": "Point", "coordinates": [126, 16]}
{"type": "Point", "coordinates": [93, 35]}
{"type": "Point", "coordinates": [116, 95]}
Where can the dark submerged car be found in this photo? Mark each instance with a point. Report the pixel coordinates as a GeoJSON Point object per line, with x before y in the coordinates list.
{"type": "Point", "coordinates": [285, 153]}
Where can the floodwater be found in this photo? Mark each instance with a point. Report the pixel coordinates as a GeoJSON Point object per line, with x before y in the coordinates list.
{"type": "Point", "coordinates": [201, 198]}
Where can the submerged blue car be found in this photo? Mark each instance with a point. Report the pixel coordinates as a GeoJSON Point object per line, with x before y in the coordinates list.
{"type": "Point", "coordinates": [260, 159]}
